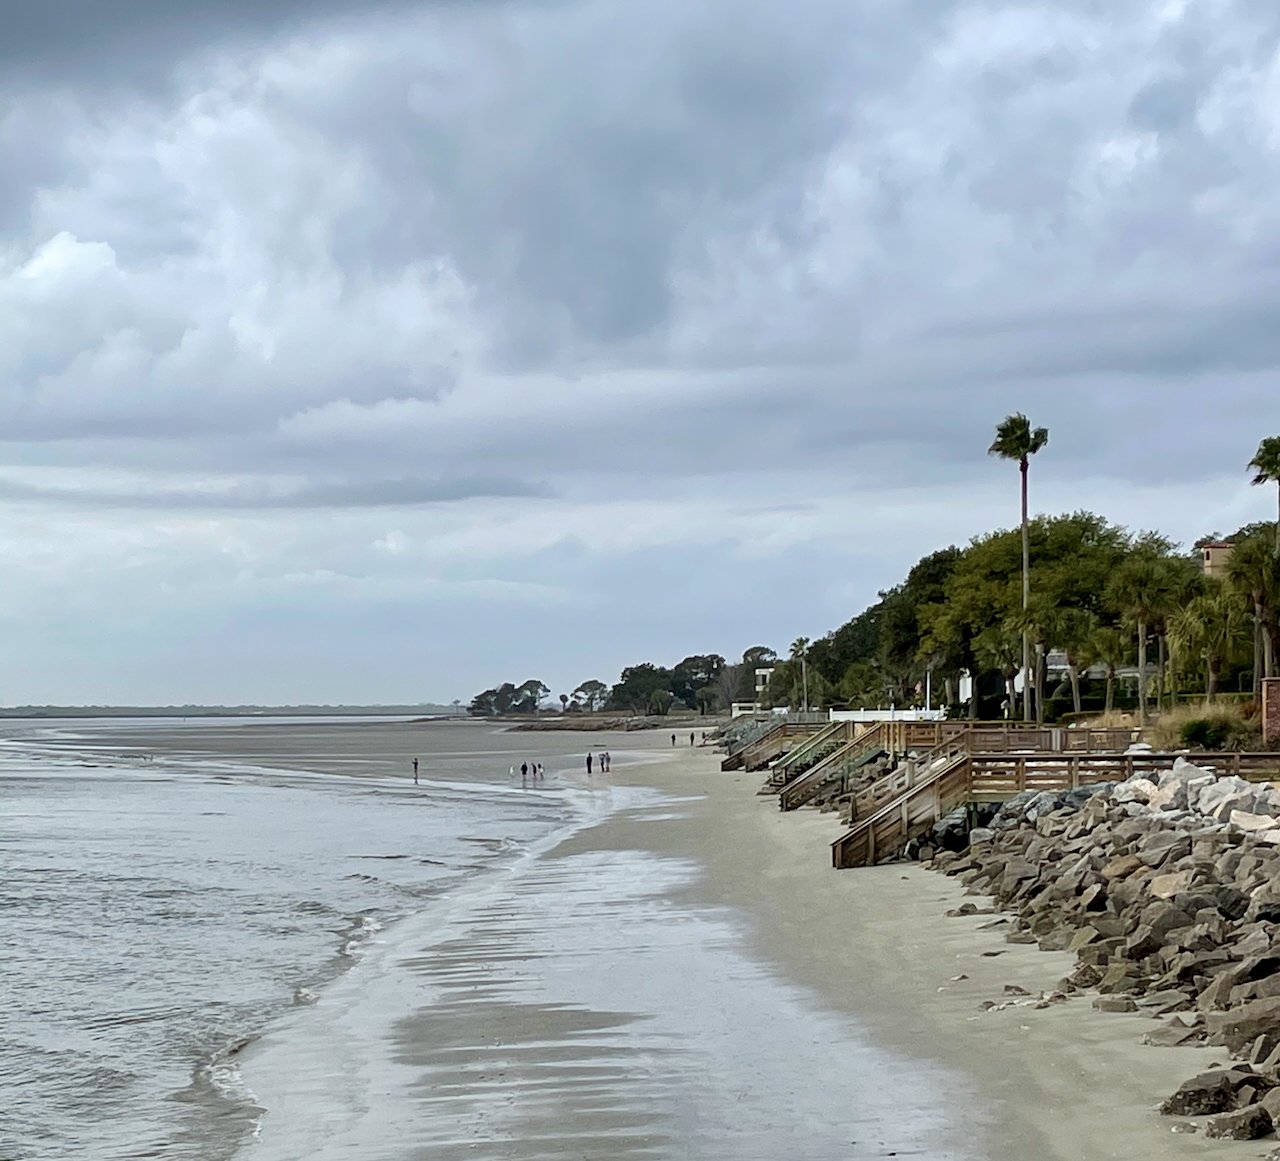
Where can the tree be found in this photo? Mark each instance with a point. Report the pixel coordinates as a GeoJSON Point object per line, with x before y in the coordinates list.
{"type": "Point", "coordinates": [1072, 630]}
{"type": "Point", "coordinates": [1108, 647]}
{"type": "Point", "coordinates": [1266, 470]}
{"type": "Point", "coordinates": [564, 703]}
{"type": "Point", "coordinates": [1254, 573]}
{"type": "Point", "coordinates": [591, 695]}
{"type": "Point", "coordinates": [695, 673]}
{"type": "Point", "coordinates": [799, 652]}
{"type": "Point", "coordinates": [1136, 592]}
{"type": "Point", "coordinates": [727, 686]}
{"type": "Point", "coordinates": [1212, 629]}
{"type": "Point", "coordinates": [660, 701]}
{"type": "Point", "coordinates": [706, 699]}
{"type": "Point", "coordinates": [529, 696]}
{"type": "Point", "coordinates": [998, 647]}
{"type": "Point", "coordinates": [1017, 440]}
{"type": "Point", "coordinates": [637, 685]}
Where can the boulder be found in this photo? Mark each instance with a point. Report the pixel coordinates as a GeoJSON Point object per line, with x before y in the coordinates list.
{"type": "Point", "coordinates": [1168, 885]}
{"type": "Point", "coordinates": [1133, 790]}
{"type": "Point", "coordinates": [1246, 1124]}
{"type": "Point", "coordinates": [1238, 1028]}
{"type": "Point", "coordinates": [1210, 1092]}
{"type": "Point", "coordinates": [1244, 820]}
{"type": "Point", "coordinates": [1115, 1004]}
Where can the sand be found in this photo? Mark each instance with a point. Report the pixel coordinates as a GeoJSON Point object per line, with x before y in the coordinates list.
{"type": "Point", "coordinates": [687, 977]}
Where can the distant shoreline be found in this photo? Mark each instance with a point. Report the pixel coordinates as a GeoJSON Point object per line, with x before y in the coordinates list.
{"type": "Point", "coordinates": [422, 712]}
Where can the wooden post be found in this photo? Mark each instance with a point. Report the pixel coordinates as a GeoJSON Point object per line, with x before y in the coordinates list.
{"type": "Point", "coordinates": [1270, 710]}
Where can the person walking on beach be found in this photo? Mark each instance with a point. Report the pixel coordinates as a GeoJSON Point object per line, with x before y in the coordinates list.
{"type": "Point", "coordinates": [691, 737]}
{"type": "Point", "coordinates": [524, 773]}
{"type": "Point", "coordinates": [588, 763]}
{"type": "Point", "coordinates": [415, 771]}
{"type": "Point", "coordinates": [673, 740]}
{"type": "Point", "coordinates": [604, 761]}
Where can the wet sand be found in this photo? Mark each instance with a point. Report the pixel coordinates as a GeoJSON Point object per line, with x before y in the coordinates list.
{"type": "Point", "coordinates": [687, 977]}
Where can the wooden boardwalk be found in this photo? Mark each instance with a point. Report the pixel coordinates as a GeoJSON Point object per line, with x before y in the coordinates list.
{"type": "Point", "coordinates": [906, 803]}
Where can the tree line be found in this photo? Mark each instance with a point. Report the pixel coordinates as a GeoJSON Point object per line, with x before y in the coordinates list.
{"type": "Point", "coordinates": [705, 683]}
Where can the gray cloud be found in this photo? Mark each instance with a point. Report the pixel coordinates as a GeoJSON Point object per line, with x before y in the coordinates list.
{"type": "Point", "coordinates": [476, 309]}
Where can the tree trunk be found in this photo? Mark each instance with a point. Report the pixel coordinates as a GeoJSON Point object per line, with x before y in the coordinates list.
{"type": "Point", "coordinates": [1142, 672]}
{"type": "Point", "coordinates": [1110, 703]}
{"type": "Point", "coordinates": [1042, 667]}
{"type": "Point", "coordinates": [1160, 671]}
{"type": "Point", "coordinates": [1074, 674]}
{"type": "Point", "coordinates": [1011, 694]}
{"type": "Point", "coordinates": [1026, 597]}
{"type": "Point", "coordinates": [1258, 631]}
{"type": "Point", "coordinates": [1211, 683]}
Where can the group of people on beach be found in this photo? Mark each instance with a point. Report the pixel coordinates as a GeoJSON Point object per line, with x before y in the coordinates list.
{"type": "Point", "coordinates": [691, 741]}
{"type": "Point", "coordinates": [604, 762]}
{"type": "Point", "coordinates": [529, 770]}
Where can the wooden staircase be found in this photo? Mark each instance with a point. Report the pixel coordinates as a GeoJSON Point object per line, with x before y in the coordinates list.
{"type": "Point", "coordinates": [806, 786]}
{"type": "Point", "coordinates": [778, 739]}
{"type": "Point", "coordinates": [807, 754]}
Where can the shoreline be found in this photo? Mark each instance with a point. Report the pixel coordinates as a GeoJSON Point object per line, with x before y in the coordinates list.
{"type": "Point", "coordinates": [1065, 1082]}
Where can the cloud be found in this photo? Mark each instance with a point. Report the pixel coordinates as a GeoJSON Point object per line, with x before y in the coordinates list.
{"type": "Point", "coordinates": [674, 322]}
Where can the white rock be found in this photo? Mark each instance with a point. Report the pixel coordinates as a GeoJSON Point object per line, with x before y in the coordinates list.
{"type": "Point", "coordinates": [1247, 821]}
{"type": "Point", "coordinates": [1139, 748]}
{"type": "Point", "coordinates": [1170, 796]}
{"type": "Point", "coordinates": [1271, 836]}
{"type": "Point", "coordinates": [1134, 790]}
{"type": "Point", "coordinates": [1224, 796]}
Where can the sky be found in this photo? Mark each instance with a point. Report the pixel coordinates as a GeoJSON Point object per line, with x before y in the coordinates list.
{"type": "Point", "coordinates": [385, 351]}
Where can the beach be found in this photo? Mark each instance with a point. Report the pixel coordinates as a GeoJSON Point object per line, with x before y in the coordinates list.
{"type": "Point", "coordinates": [323, 961]}
{"type": "Point", "coordinates": [688, 977]}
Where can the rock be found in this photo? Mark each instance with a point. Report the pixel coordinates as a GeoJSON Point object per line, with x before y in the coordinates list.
{"type": "Point", "coordinates": [1210, 1092]}
{"type": "Point", "coordinates": [1133, 790]}
{"type": "Point", "coordinates": [1173, 1035]}
{"type": "Point", "coordinates": [1243, 820]}
{"type": "Point", "coordinates": [1115, 1004]}
{"type": "Point", "coordinates": [1121, 868]}
{"type": "Point", "coordinates": [1240, 1027]}
{"type": "Point", "coordinates": [1163, 846]}
{"type": "Point", "coordinates": [1271, 1102]}
{"type": "Point", "coordinates": [980, 835]}
{"type": "Point", "coordinates": [1247, 1124]}
{"type": "Point", "coordinates": [1168, 885]}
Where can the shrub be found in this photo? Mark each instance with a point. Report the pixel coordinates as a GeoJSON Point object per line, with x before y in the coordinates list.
{"type": "Point", "coordinates": [1214, 732]}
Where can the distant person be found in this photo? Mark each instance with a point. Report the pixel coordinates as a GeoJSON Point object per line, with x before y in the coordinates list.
{"type": "Point", "coordinates": [542, 773]}
{"type": "Point", "coordinates": [415, 771]}
{"type": "Point", "coordinates": [524, 771]}
{"type": "Point", "coordinates": [588, 763]}
{"type": "Point", "coordinates": [512, 771]}
{"type": "Point", "coordinates": [606, 758]}
{"type": "Point", "coordinates": [673, 739]}
{"type": "Point", "coordinates": [691, 737]}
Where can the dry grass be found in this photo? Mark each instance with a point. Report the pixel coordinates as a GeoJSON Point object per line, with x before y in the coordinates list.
{"type": "Point", "coordinates": [1166, 730]}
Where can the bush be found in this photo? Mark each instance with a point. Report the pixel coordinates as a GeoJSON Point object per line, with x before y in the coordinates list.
{"type": "Point", "coordinates": [1214, 732]}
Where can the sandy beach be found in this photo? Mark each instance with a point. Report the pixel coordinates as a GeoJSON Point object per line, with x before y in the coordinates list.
{"type": "Point", "coordinates": [687, 977]}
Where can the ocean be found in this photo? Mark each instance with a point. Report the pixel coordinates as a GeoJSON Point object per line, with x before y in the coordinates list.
{"type": "Point", "coordinates": [168, 890]}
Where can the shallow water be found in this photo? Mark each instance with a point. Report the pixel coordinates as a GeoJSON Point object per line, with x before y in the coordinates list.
{"type": "Point", "coordinates": [156, 915]}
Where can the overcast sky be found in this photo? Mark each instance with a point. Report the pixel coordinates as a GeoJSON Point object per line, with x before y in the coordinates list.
{"type": "Point", "coordinates": [357, 351]}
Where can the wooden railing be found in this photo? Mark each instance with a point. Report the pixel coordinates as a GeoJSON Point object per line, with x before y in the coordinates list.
{"type": "Point", "coordinates": [800, 790]}
{"type": "Point", "coordinates": [779, 772]}
{"type": "Point", "coordinates": [894, 810]}
{"type": "Point", "coordinates": [764, 749]}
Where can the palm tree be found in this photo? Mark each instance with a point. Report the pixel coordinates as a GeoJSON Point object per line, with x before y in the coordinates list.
{"type": "Point", "coordinates": [1017, 440]}
{"type": "Point", "coordinates": [996, 647]}
{"type": "Point", "coordinates": [1135, 591]}
{"type": "Point", "coordinates": [1254, 572]}
{"type": "Point", "coordinates": [1072, 630]}
{"type": "Point", "coordinates": [1211, 629]}
{"type": "Point", "coordinates": [800, 653]}
{"type": "Point", "coordinates": [1266, 470]}
{"type": "Point", "coordinates": [1110, 648]}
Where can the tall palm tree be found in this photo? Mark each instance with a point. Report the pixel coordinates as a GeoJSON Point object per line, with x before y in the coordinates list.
{"type": "Point", "coordinates": [1135, 592]}
{"type": "Point", "coordinates": [1017, 440]}
{"type": "Point", "coordinates": [1266, 470]}
{"type": "Point", "coordinates": [800, 653]}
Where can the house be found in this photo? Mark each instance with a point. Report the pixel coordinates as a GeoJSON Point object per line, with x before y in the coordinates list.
{"type": "Point", "coordinates": [1214, 558]}
{"type": "Point", "coordinates": [763, 673]}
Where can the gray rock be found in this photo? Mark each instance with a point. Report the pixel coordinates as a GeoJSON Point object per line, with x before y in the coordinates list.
{"type": "Point", "coordinates": [1246, 1124]}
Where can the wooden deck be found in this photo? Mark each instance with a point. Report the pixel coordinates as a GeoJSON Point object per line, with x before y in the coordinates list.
{"type": "Point", "coordinates": [908, 802]}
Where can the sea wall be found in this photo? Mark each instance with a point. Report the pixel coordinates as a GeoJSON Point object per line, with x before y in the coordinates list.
{"type": "Point", "coordinates": [1168, 892]}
